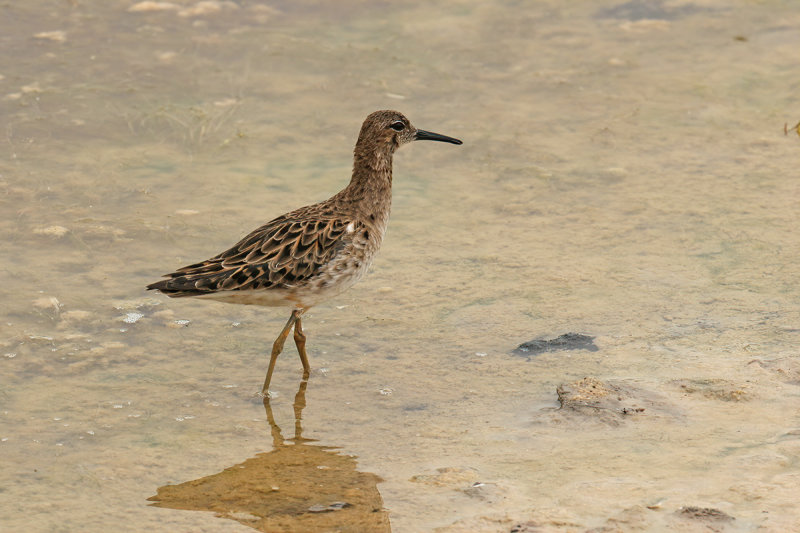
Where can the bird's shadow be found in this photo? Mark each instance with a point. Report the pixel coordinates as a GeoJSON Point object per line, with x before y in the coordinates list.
{"type": "Point", "coordinates": [298, 486]}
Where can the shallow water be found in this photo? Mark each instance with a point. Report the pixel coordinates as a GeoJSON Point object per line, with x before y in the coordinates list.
{"type": "Point", "coordinates": [624, 174]}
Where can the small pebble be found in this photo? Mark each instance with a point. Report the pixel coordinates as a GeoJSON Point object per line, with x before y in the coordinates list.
{"type": "Point", "coordinates": [132, 318]}
{"type": "Point", "coordinates": [152, 6]}
{"type": "Point", "coordinates": [207, 7]}
{"type": "Point", "coordinates": [52, 231]}
{"type": "Point", "coordinates": [46, 302]}
{"type": "Point", "coordinates": [32, 88]}
{"type": "Point", "coordinates": [56, 36]}
{"type": "Point", "coordinates": [166, 57]}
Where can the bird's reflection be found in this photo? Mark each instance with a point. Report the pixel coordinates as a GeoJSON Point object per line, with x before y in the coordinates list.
{"type": "Point", "coordinates": [297, 486]}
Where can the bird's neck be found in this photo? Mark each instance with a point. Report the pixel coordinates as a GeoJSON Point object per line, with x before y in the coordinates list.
{"type": "Point", "coordinates": [371, 184]}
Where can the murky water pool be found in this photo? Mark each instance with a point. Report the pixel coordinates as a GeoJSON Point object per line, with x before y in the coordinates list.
{"type": "Point", "coordinates": [624, 175]}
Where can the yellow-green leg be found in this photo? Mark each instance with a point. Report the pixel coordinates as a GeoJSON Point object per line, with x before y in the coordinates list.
{"type": "Point", "coordinates": [277, 347]}
{"type": "Point", "coordinates": [300, 342]}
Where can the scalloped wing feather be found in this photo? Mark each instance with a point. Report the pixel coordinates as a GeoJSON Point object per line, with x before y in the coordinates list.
{"type": "Point", "coordinates": [280, 254]}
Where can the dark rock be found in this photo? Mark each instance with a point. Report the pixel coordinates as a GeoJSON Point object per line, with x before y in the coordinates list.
{"type": "Point", "coordinates": [567, 341]}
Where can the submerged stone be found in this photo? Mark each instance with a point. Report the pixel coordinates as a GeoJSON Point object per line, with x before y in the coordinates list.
{"type": "Point", "coordinates": [335, 506]}
{"type": "Point", "coordinates": [704, 513]}
{"type": "Point", "coordinates": [567, 341]}
{"type": "Point", "coordinates": [605, 401]}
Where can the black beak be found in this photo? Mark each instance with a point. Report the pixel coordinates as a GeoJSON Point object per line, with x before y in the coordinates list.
{"type": "Point", "coordinates": [423, 135]}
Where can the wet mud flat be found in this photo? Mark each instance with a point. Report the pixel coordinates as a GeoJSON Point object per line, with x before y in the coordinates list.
{"type": "Point", "coordinates": [625, 176]}
{"type": "Point", "coordinates": [620, 408]}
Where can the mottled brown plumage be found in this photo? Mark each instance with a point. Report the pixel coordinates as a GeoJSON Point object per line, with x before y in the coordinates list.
{"type": "Point", "coordinates": [313, 253]}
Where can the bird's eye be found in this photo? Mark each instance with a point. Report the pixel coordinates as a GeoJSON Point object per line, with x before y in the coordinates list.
{"type": "Point", "coordinates": [397, 125]}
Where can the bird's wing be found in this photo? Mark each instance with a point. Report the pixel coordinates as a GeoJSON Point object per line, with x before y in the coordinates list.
{"type": "Point", "coordinates": [281, 253]}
